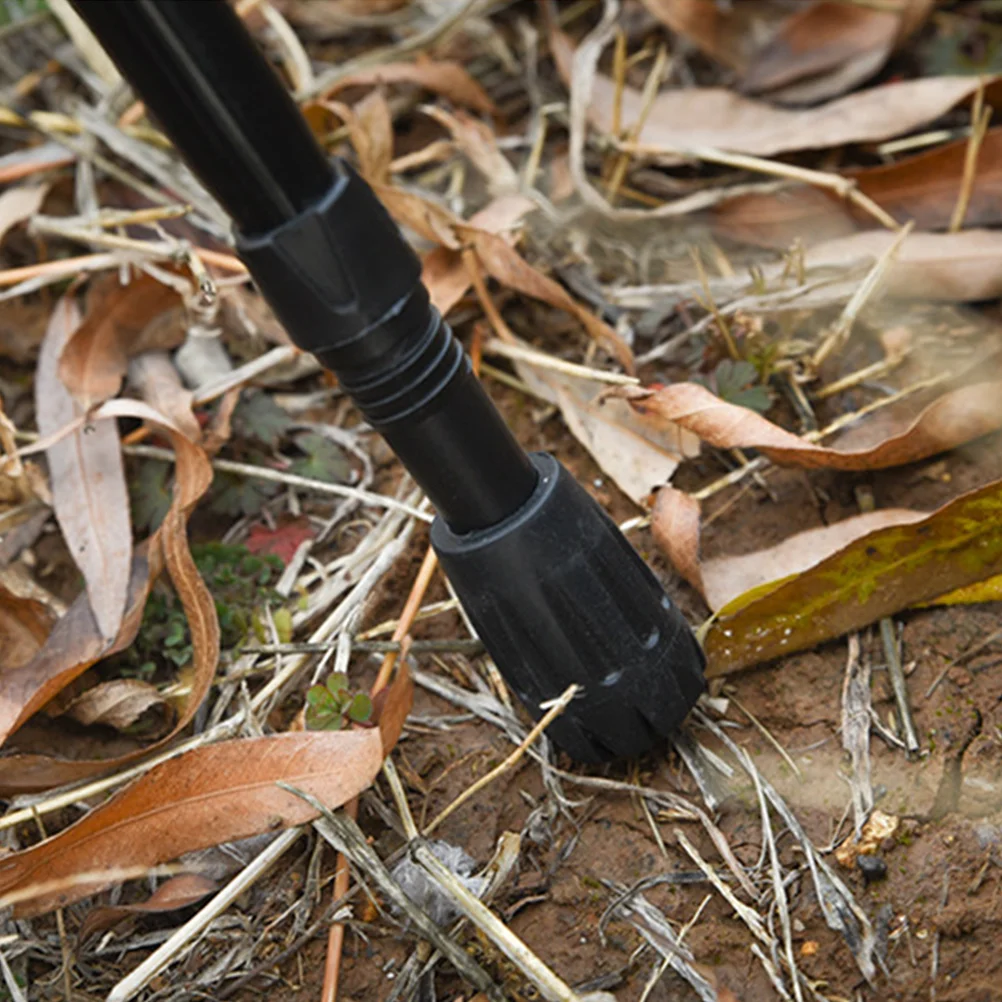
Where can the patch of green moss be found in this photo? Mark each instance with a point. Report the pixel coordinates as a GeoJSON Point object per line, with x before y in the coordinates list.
{"type": "Point", "coordinates": [239, 581]}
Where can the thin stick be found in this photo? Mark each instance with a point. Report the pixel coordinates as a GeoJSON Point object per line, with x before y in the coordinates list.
{"type": "Point", "coordinates": [980, 117]}
{"type": "Point", "coordinates": [711, 305]}
{"type": "Point", "coordinates": [342, 876]}
{"type": "Point", "coordinates": [425, 612]}
{"type": "Point", "coordinates": [897, 676]}
{"type": "Point", "coordinates": [554, 711]}
{"type": "Point", "coordinates": [842, 327]}
{"type": "Point", "coordinates": [343, 833]}
{"type": "Point", "coordinates": [856, 732]}
{"type": "Point", "coordinates": [843, 186]}
{"type": "Point", "coordinates": [649, 93]}
{"type": "Point", "coordinates": [764, 731]}
{"type": "Point", "coordinates": [523, 353]}
{"type": "Point", "coordinates": [551, 987]}
{"type": "Point", "coordinates": [487, 304]}
{"type": "Point", "coordinates": [289, 479]}
{"type": "Point", "coordinates": [748, 915]}
{"type": "Point", "coordinates": [244, 374]}
{"type": "Point", "coordinates": [177, 945]}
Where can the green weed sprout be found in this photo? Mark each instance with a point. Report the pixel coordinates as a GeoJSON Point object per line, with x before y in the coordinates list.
{"type": "Point", "coordinates": [331, 706]}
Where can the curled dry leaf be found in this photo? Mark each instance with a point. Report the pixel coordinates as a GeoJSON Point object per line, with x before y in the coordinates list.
{"type": "Point", "coordinates": [449, 79]}
{"type": "Point", "coordinates": [922, 189]}
{"type": "Point", "coordinates": [443, 271]}
{"type": "Point", "coordinates": [639, 454]}
{"type": "Point", "coordinates": [76, 642]}
{"type": "Point", "coordinates": [159, 384]}
{"type": "Point", "coordinates": [119, 704]}
{"type": "Point", "coordinates": [718, 118]}
{"type": "Point", "coordinates": [878, 574]}
{"type": "Point", "coordinates": [207, 796]}
{"type": "Point", "coordinates": [95, 357]}
{"type": "Point", "coordinates": [958, 416]}
{"type": "Point", "coordinates": [89, 493]}
{"type": "Point", "coordinates": [179, 892]}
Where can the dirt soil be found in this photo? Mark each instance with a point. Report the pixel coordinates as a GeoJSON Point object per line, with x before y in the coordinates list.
{"type": "Point", "coordinates": [937, 912]}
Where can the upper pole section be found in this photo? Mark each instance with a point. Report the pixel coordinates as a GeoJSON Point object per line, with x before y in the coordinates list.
{"type": "Point", "coordinates": [203, 77]}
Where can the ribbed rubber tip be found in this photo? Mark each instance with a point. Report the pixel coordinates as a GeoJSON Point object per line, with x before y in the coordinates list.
{"type": "Point", "coordinates": [558, 595]}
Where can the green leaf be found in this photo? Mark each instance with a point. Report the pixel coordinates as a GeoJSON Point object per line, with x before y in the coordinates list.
{"type": "Point", "coordinates": [323, 719]}
{"type": "Point", "coordinates": [257, 416]}
{"type": "Point", "coordinates": [337, 683]}
{"type": "Point", "coordinates": [150, 494]}
{"type": "Point", "coordinates": [283, 624]}
{"type": "Point", "coordinates": [238, 496]}
{"type": "Point", "coordinates": [736, 383]}
{"type": "Point", "coordinates": [360, 708]}
{"type": "Point", "coordinates": [324, 460]}
{"type": "Point", "coordinates": [318, 696]}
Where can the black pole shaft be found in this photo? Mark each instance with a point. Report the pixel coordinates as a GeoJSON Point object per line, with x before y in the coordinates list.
{"type": "Point", "coordinates": [321, 247]}
{"type": "Point", "coordinates": [203, 77]}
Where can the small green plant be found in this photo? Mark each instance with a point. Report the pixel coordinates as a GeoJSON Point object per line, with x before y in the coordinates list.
{"type": "Point", "coordinates": [331, 706]}
{"type": "Point", "coordinates": [736, 382]}
{"type": "Point", "coordinates": [240, 582]}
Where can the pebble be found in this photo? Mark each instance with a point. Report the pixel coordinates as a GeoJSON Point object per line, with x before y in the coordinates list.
{"type": "Point", "coordinates": [872, 867]}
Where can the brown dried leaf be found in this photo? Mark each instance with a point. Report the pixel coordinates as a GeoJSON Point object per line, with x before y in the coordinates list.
{"type": "Point", "coordinates": [156, 378]}
{"type": "Point", "coordinates": [218, 793]}
{"type": "Point", "coordinates": [95, 358]}
{"type": "Point", "coordinates": [730, 35]}
{"type": "Point", "coordinates": [637, 453]}
{"type": "Point", "coordinates": [718, 118]}
{"type": "Point", "coordinates": [19, 204]}
{"type": "Point", "coordinates": [949, 267]}
{"type": "Point", "coordinates": [119, 704]}
{"type": "Point", "coordinates": [207, 796]}
{"type": "Point", "coordinates": [504, 264]}
{"type": "Point", "coordinates": [24, 625]}
{"type": "Point", "coordinates": [675, 525]}
{"type": "Point", "coordinates": [75, 642]}
{"type": "Point", "coordinates": [838, 45]}
{"type": "Point", "coordinates": [878, 574]}
{"type": "Point", "coordinates": [178, 892]}
{"type": "Point", "coordinates": [956, 417]}
{"type": "Point", "coordinates": [444, 274]}
{"type": "Point", "coordinates": [479, 142]}
{"type": "Point", "coordinates": [922, 189]}
{"type": "Point", "coordinates": [89, 492]}
{"type": "Point", "coordinates": [447, 78]}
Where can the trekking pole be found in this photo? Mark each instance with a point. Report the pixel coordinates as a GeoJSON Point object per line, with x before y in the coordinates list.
{"type": "Point", "coordinates": [554, 590]}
